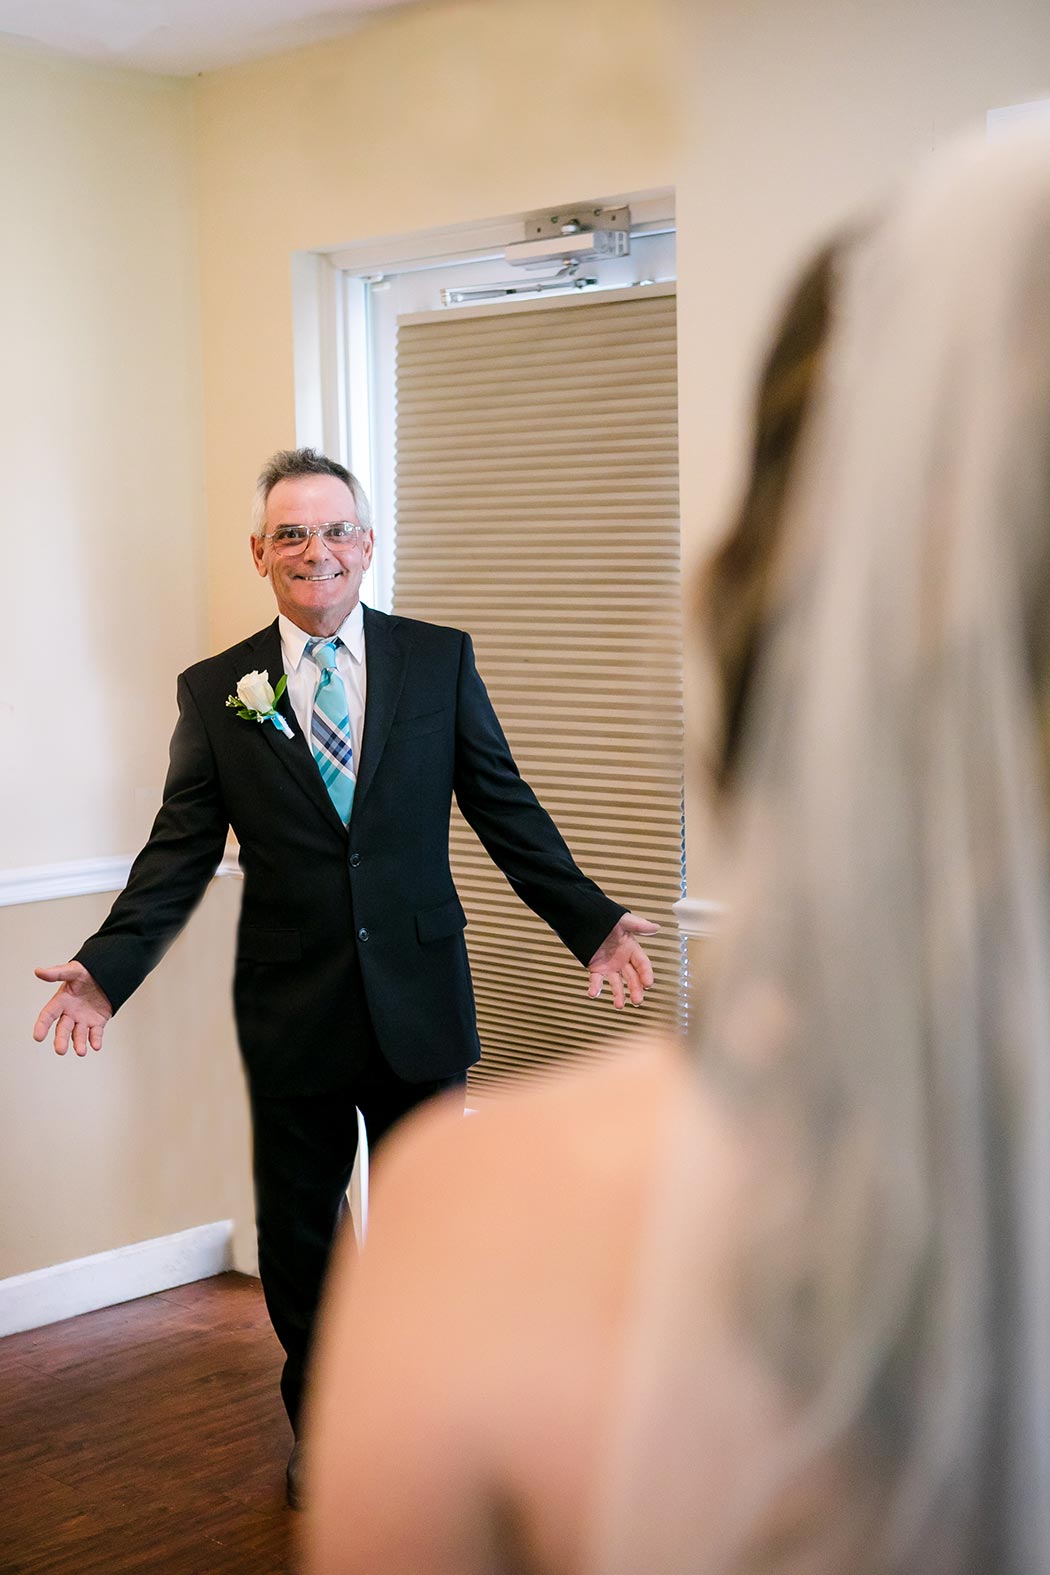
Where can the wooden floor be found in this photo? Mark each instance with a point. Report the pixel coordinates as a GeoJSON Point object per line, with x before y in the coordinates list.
{"type": "Point", "coordinates": [147, 1437]}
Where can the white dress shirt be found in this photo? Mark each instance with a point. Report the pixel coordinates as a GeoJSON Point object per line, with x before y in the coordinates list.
{"type": "Point", "coordinates": [303, 674]}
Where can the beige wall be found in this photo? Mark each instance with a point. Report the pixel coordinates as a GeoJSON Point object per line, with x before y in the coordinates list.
{"type": "Point", "coordinates": [145, 1138]}
{"type": "Point", "coordinates": [803, 113]}
{"type": "Point", "coordinates": [100, 408]}
{"type": "Point", "coordinates": [103, 510]}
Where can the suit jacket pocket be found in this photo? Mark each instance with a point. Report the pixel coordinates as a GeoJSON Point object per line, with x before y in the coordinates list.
{"type": "Point", "coordinates": [433, 924]}
{"type": "Point", "coordinates": [420, 726]}
{"type": "Point", "coordinates": [267, 946]}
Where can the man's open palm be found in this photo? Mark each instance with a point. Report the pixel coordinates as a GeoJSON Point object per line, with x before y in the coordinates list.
{"type": "Point", "coordinates": [621, 961]}
{"type": "Point", "coordinates": [79, 1009]}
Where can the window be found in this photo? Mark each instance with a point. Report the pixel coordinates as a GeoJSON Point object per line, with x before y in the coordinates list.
{"type": "Point", "coordinates": [528, 452]}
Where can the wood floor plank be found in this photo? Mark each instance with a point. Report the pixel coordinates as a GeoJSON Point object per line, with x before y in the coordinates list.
{"type": "Point", "coordinates": [147, 1438]}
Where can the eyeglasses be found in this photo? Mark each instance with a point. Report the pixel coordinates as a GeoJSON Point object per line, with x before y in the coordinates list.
{"type": "Point", "coordinates": [291, 539]}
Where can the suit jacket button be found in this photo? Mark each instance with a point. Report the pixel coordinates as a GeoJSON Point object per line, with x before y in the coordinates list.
{"type": "Point", "coordinates": [355, 859]}
{"type": "Point", "coordinates": [362, 934]}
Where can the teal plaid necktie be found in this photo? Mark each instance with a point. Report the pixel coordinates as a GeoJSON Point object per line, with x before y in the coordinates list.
{"type": "Point", "coordinates": [333, 746]}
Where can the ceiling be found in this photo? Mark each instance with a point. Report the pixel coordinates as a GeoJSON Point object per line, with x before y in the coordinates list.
{"type": "Point", "coordinates": [180, 37]}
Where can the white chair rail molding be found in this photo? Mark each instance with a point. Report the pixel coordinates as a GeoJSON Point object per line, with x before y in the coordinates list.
{"type": "Point", "coordinates": [79, 878]}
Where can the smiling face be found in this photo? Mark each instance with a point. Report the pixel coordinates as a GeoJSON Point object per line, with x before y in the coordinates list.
{"type": "Point", "coordinates": [318, 587]}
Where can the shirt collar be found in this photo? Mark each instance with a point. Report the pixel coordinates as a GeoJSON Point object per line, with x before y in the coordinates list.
{"type": "Point", "coordinates": [294, 640]}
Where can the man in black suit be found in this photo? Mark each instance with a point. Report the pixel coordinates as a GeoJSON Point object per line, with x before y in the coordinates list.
{"type": "Point", "coordinates": [352, 987]}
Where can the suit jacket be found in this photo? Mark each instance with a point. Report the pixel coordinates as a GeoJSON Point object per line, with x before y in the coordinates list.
{"type": "Point", "coordinates": [318, 894]}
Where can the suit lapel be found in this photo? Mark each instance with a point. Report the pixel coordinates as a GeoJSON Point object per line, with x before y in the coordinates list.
{"type": "Point", "coordinates": [386, 653]}
{"type": "Point", "coordinates": [294, 753]}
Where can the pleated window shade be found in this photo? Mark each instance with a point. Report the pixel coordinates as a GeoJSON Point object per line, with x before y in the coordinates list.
{"type": "Point", "coordinates": [537, 508]}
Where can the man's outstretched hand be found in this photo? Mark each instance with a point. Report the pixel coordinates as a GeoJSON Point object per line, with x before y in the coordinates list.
{"type": "Point", "coordinates": [622, 961]}
{"type": "Point", "coordinates": [79, 1009]}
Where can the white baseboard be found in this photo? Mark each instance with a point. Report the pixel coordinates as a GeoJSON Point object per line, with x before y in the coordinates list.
{"type": "Point", "coordinates": [28, 1301]}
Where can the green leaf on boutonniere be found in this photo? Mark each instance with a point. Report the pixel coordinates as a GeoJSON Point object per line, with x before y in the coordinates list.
{"type": "Point", "coordinates": [282, 685]}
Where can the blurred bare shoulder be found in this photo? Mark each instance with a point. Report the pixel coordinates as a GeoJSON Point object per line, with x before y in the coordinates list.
{"type": "Point", "coordinates": [567, 1145]}
{"type": "Point", "coordinates": [491, 1299]}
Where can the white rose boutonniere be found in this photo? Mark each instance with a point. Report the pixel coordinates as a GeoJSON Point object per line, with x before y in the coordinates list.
{"type": "Point", "coordinates": [255, 701]}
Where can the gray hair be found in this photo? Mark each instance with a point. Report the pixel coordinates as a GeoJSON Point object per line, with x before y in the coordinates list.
{"type": "Point", "coordinates": [290, 462]}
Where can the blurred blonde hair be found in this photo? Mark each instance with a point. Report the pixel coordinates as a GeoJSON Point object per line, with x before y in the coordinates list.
{"type": "Point", "coordinates": [895, 889]}
{"type": "Point", "coordinates": [734, 593]}
{"type": "Point", "coordinates": [891, 899]}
